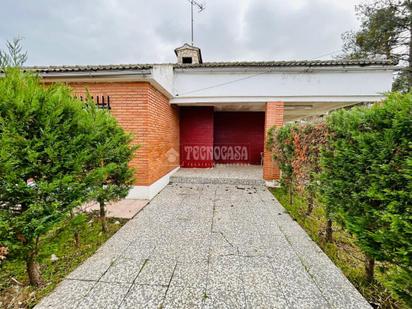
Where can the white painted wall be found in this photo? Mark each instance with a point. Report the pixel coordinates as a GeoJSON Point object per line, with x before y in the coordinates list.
{"type": "Point", "coordinates": [163, 75]}
{"type": "Point", "coordinates": [149, 192]}
{"type": "Point", "coordinates": [364, 84]}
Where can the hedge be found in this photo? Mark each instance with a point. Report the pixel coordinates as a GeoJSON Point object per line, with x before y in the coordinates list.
{"type": "Point", "coordinates": [56, 153]}
{"type": "Point", "coordinates": [359, 165]}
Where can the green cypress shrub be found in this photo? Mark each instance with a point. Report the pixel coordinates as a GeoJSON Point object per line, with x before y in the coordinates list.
{"type": "Point", "coordinates": [53, 157]}
{"type": "Point", "coordinates": [366, 180]}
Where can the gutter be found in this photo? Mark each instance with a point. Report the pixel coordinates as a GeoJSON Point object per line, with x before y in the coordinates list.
{"type": "Point", "coordinates": [95, 74]}
{"type": "Point", "coordinates": [106, 76]}
{"type": "Point", "coordinates": [296, 69]}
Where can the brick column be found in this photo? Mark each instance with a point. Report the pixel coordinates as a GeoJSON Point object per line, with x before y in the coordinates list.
{"type": "Point", "coordinates": [273, 117]}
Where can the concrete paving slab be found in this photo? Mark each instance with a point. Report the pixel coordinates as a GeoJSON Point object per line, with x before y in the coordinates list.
{"type": "Point", "coordinates": [294, 282]}
{"type": "Point", "coordinates": [228, 298]}
{"type": "Point", "coordinates": [334, 286]}
{"type": "Point", "coordinates": [123, 271]}
{"type": "Point", "coordinates": [93, 268]}
{"type": "Point", "coordinates": [140, 249]}
{"type": "Point", "coordinates": [144, 296]}
{"type": "Point", "coordinates": [67, 295]}
{"type": "Point", "coordinates": [104, 295]}
{"type": "Point", "coordinates": [225, 273]}
{"type": "Point", "coordinates": [261, 285]}
{"type": "Point", "coordinates": [126, 208]}
{"type": "Point", "coordinates": [190, 274]}
{"type": "Point", "coordinates": [157, 272]}
{"type": "Point", "coordinates": [188, 296]}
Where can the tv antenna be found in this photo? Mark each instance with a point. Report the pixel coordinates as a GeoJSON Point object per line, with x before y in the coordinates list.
{"type": "Point", "coordinates": [201, 7]}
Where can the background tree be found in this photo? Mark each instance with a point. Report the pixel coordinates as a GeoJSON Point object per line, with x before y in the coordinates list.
{"type": "Point", "coordinates": [14, 56]}
{"type": "Point", "coordinates": [386, 30]}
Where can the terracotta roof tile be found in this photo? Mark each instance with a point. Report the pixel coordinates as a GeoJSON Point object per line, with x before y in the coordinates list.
{"type": "Point", "coordinates": [88, 68]}
{"type": "Point", "coordinates": [298, 63]}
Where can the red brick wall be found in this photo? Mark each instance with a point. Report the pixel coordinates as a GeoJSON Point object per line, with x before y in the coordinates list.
{"type": "Point", "coordinates": [163, 135]}
{"type": "Point", "coordinates": [145, 113]}
{"type": "Point", "coordinates": [273, 117]}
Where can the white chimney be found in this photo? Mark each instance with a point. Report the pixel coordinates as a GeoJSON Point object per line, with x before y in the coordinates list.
{"type": "Point", "coordinates": [188, 54]}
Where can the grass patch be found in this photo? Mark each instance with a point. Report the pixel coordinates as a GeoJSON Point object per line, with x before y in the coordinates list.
{"type": "Point", "coordinates": [343, 251]}
{"type": "Point", "coordinates": [60, 242]}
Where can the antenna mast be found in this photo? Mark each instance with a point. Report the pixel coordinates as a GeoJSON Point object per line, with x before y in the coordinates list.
{"type": "Point", "coordinates": [201, 8]}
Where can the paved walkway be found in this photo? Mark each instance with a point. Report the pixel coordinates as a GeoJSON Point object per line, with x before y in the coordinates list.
{"type": "Point", "coordinates": [209, 246]}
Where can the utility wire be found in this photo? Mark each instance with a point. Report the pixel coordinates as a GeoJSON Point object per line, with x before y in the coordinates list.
{"type": "Point", "coordinates": [328, 54]}
{"type": "Point", "coordinates": [223, 84]}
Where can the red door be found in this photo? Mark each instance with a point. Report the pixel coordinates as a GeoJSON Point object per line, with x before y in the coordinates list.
{"type": "Point", "coordinates": [196, 136]}
{"type": "Point", "coordinates": [208, 137]}
{"type": "Point", "coordinates": [238, 137]}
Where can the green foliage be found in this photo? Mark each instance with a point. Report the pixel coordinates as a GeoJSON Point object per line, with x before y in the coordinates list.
{"type": "Point", "coordinates": [14, 56]}
{"type": "Point", "coordinates": [378, 32]}
{"type": "Point", "coordinates": [43, 151]}
{"type": "Point", "coordinates": [386, 27]}
{"type": "Point", "coordinates": [382, 32]}
{"type": "Point", "coordinates": [112, 152]}
{"type": "Point", "coordinates": [343, 251]}
{"type": "Point", "coordinates": [401, 81]}
{"type": "Point", "coordinates": [58, 241]}
{"type": "Point", "coordinates": [296, 148]}
{"type": "Point", "coordinates": [111, 155]}
{"type": "Point", "coordinates": [366, 179]}
{"type": "Point", "coordinates": [360, 163]}
{"type": "Point", "coordinates": [280, 141]}
{"type": "Point", "coordinates": [56, 152]}
{"type": "Point", "coordinates": [308, 140]}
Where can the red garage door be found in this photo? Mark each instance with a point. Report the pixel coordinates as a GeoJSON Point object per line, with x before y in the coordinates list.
{"type": "Point", "coordinates": [236, 133]}
{"type": "Point", "coordinates": [208, 137]}
{"type": "Point", "coordinates": [196, 136]}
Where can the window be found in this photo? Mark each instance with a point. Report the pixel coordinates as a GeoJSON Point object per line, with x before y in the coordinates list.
{"type": "Point", "coordinates": [101, 101]}
{"type": "Point", "coordinates": [187, 60]}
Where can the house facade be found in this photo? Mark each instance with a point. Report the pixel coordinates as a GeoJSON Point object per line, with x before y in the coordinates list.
{"type": "Point", "coordinates": [196, 114]}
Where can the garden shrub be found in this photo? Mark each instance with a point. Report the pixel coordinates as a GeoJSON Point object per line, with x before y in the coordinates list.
{"type": "Point", "coordinates": [296, 148]}
{"type": "Point", "coordinates": [308, 140]}
{"type": "Point", "coordinates": [111, 155]}
{"type": "Point", "coordinates": [280, 142]}
{"type": "Point", "coordinates": [50, 160]}
{"type": "Point", "coordinates": [366, 179]}
{"type": "Point", "coordinates": [359, 163]}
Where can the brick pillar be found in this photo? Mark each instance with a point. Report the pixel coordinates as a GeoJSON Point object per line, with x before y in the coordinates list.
{"type": "Point", "coordinates": [273, 117]}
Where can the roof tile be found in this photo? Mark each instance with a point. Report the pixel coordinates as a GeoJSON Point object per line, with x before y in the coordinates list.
{"type": "Point", "coordinates": [299, 63]}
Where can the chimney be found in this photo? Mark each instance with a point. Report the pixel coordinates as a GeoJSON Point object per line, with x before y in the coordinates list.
{"type": "Point", "coordinates": [188, 54]}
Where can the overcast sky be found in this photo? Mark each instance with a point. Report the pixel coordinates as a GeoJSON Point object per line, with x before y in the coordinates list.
{"type": "Point", "coordinates": [147, 31]}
